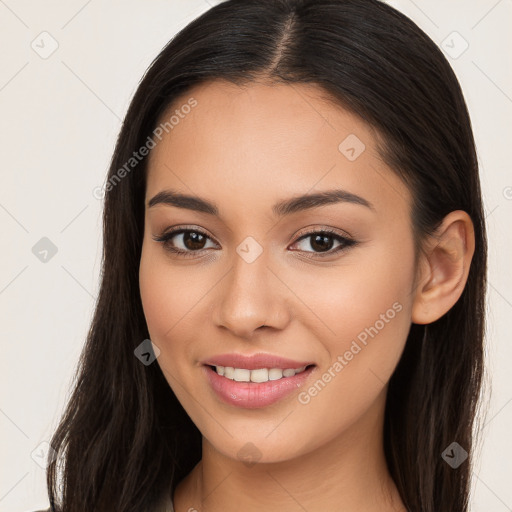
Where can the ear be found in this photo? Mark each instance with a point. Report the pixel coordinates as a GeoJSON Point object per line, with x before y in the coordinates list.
{"type": "Point", "coordinates": [443, 268]}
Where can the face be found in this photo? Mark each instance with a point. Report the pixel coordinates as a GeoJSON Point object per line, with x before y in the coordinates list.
{"type": "Point", "coordinates": [323, 283]}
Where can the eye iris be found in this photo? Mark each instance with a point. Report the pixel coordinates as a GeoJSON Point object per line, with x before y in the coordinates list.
{"type": "Point", "coordinates": [193, 240]}
{"type": "Point", "coordinates": [322, 242]}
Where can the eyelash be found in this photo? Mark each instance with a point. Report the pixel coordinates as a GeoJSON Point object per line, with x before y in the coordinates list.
{"type": "Point", "coordinates": [165, 239]}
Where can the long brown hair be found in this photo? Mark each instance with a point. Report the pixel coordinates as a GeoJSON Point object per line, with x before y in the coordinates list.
{"type": "Point", "coordinates": [124, 437]}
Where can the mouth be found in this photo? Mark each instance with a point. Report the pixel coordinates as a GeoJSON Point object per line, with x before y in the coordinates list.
{"type": "Point", "coordinates": [255, 388]}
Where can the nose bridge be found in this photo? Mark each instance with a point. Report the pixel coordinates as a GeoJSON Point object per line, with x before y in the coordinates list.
{"type": "Point", "coordinates": [249, 296]}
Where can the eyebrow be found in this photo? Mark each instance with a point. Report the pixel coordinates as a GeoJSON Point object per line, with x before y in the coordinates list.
{"type": "Point", "coordinates": [280, 209]}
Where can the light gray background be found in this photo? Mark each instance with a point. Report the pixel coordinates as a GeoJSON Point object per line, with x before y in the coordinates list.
{"type": "Point", "coordinates": [60, 117]}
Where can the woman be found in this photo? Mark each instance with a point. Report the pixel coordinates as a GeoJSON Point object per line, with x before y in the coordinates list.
{"type": "Point", "coordinates": [293, 217]}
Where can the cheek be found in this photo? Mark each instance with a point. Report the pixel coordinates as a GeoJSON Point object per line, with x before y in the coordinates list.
{"type": "Point", "coordinates": [373, 297]}
{"type": "Point", "coordinates": [155, 296]}
{"type": "Point", "coordinates": [162, 310]}
{"type": "Point", "coordinates": [171, 299]}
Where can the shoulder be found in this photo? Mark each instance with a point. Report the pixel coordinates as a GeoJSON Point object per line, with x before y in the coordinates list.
{"type": "Point", "coordinates": [43, 510]}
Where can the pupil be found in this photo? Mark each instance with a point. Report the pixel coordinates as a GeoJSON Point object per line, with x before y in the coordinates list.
{"type": "Point", "coordinates": [322, 242]}
{"type": "Point", "coordinates": [193, 240]}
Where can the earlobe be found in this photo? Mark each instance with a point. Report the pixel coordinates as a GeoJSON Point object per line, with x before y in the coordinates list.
{"type": "Point", "coordinates": [443, 268]}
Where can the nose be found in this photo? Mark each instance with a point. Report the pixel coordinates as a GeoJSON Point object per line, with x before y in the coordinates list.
{"type": "Point", "coordinates": [249, 298]}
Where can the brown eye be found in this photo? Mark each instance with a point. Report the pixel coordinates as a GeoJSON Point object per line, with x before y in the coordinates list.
{"type": "Point", "coordinates": [184, 242]}
{"type": "Point", "coordinates": [322, 242]}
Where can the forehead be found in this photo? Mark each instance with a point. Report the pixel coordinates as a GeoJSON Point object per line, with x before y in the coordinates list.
{"type": "Point", "coordinates": [262, 142]}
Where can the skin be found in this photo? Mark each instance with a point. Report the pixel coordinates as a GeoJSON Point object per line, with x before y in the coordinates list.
{"type": "Point", "coordinates": [245, 148]}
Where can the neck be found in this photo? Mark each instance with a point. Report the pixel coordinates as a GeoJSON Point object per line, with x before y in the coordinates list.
{"type": "Point", "coordinates": [350, 470]}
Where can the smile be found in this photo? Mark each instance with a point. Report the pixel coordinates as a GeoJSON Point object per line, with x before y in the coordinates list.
{"type": "Point", "coordinates": [257, 375]}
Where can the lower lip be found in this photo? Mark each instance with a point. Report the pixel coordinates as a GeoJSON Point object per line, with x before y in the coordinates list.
{"type": "Point", "coordinates": [254, 395]}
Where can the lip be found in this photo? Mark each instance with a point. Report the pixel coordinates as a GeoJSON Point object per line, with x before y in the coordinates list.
{"type": "Point", "coordinates": [254, 395]}
{"type": "Point", "coordinates": [255, 361]}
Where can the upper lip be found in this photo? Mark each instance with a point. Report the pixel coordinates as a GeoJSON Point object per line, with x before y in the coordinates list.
{"type": "Point", "coordinates": [255, 361]}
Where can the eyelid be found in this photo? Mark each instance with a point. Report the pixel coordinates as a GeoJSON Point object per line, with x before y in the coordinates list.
{"type": "Point", "coordinates": [324, 229]}
{"type": "Point", "coordinates": [180, 229]}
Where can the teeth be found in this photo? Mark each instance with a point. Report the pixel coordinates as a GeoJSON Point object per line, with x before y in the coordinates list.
{"type": "Point", "coordinates": [242, 375]}
{"type": "Point", "coordinates": [259, 375]}
{"type": "Point", "coordinates": [275, 373]}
